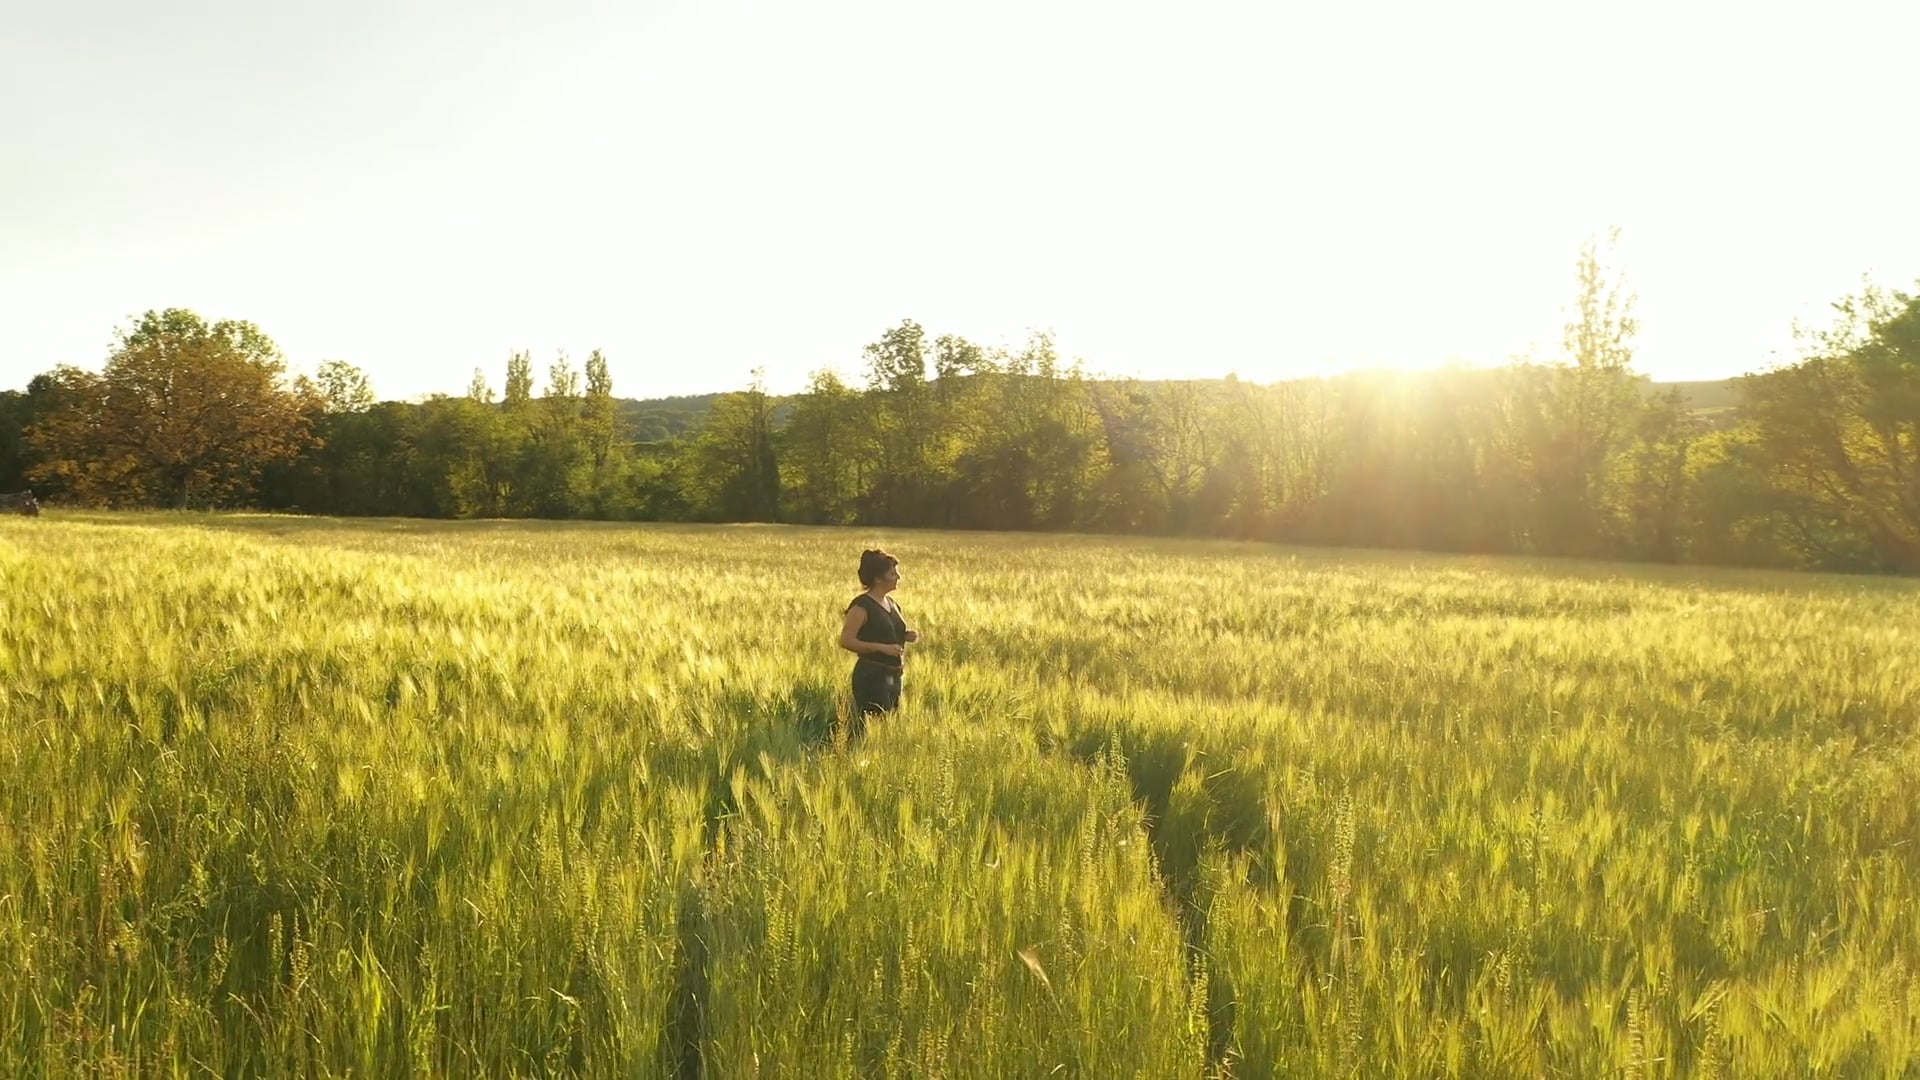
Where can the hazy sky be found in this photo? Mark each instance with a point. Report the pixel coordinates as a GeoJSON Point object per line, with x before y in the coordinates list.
{"type": "Point", "coordinates": [1185, 188]}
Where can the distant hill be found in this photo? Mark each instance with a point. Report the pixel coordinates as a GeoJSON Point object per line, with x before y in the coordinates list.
{"type": "Point", "coordinates": [1705, 397]}
{"type": "Point", "coordinates": [659, 419]}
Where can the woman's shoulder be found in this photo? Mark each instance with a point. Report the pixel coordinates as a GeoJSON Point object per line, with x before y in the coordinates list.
{"type": "Point", "coordinates": [867, 603]}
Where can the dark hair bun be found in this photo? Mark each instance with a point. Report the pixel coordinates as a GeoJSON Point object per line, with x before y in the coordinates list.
{"type": "Point", "coordinates": [873, 563]}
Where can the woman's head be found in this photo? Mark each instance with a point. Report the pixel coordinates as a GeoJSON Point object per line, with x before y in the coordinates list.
{"type": "Point", "coordinates": [877, 567]}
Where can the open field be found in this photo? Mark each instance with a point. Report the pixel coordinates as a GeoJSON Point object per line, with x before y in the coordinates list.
{"type": "Point", "coordinates": [284, 796]}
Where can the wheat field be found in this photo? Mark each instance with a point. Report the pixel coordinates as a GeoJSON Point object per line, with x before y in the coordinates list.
{"type": "Point", "coordinates": [286, 796]}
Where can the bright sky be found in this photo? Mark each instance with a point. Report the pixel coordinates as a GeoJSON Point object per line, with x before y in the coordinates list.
{"type": "Point", "coordinates": [1178, 189]}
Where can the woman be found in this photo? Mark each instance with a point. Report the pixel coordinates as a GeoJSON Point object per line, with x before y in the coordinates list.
{"type": "Point", "coordinates": [876, 632]}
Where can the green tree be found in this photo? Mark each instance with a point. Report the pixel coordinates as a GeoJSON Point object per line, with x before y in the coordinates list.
{"type": "Point", "coordinates": [955, 358]}
{"type": "Point", "coordinates": [598, 415]}
{"type": "Point", "coordinates": [343, 387]}
{"type": "Point", "coordinates": [519, 392]}
{"type": "Point", "coordinates": [1183, 449]}
{"type": "Point", "coordinates": [1657, 478]}
{"type": "Point", "coordinates": [332, 473]}
{"type": "Point", "coordinates": [897, 377]}
{"type": "Point", "coordinates": [556, 467]}
{"type": "Point", "coordinates": [18, 412]}
{"type": "Point", "coordinates": [826, 444]}
{"type": "Point", "coordinates": [464, 459]}
{"type": "Point", "coordinates": [1840, 430]}
{"type": "Point", "coordinates": [563, 380]}
{"type": "Point", "coordinates": [478, 389]}
{"type": "Point", "coordinates": [1128, 497]}
{"type": "Point", "coordinates": [1585, 415]}
{"type": "Point", "coordinates": [735, 465]}
{"type": "Point", "coordinates": [510, 457]}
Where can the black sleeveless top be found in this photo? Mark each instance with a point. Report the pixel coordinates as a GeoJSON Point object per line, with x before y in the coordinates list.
{"type": "Point", "coordinates": [884, 624]}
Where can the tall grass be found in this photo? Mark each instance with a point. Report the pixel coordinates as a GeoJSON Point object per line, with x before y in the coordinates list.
{"type": "Point", "coordinates": [285, 796]}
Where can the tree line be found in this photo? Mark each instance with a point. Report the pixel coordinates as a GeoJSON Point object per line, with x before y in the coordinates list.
{"type": "Point", "coordinates": [1817, 465]}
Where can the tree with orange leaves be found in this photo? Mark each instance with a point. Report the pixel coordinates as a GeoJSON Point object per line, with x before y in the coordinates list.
{"type": "Point", "coordinates": [185, 413]}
